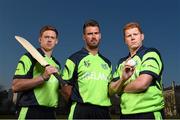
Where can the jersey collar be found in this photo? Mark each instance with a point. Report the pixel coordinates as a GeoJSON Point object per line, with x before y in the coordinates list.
{"type": "Point", "coordinates": [139, 50]}
{"type": "Point", "coordinates": [41, 52]}
{"type": "Point", "coordinates": [87, 52]}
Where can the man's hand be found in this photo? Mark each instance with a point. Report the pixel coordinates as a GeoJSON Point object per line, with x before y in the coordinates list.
{"type": "Point", "coordinates": [128, 69]}
{"type": "Point", "coordinates": [49, 70]}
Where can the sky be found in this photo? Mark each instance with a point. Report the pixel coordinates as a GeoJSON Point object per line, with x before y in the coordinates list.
{"type": "Point", "coordinates": [160, 21]}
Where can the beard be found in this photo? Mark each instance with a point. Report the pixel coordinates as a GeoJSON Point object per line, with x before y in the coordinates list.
{"type": "Point", "coordinates": [93, 47]}
{"type": "Point", "coordinates": [93, 44]}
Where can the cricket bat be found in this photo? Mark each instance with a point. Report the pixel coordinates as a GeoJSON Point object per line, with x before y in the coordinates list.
{"type": "Point", "coordinates": [36, 55]}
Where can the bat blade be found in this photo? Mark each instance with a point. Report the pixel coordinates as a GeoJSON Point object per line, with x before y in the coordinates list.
{"type": "Point", "coordinates": [33, 51]}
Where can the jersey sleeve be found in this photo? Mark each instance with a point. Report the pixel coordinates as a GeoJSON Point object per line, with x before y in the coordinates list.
{"type": "Point", "coordinates": [151, 64]}
{"type": "Point", "coordinates": [110, 76]}
{"type": "Point", "coordinates": [116, 74]}
{"type": "Point", "coordinates": [67, 73]}
{"type": "Point", "coordinates": [23, 67]}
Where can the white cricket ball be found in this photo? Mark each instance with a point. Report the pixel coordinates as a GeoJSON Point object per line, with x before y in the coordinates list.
{"type": "Point", "coordinates": [131, 62]}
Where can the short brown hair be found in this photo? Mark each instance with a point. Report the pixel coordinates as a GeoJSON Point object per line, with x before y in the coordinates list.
{"type": "Point", "coordinates": [48, 27]}
{"type": "Point", "coordinates": [132, 25]}
{"type": "Point", "coordinates": [90, 22]}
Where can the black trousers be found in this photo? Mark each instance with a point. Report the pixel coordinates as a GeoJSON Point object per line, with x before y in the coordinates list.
{"type": "Point", "coordinates": [148, 115]}
{"type": "Point", "coordinates": [40, 112]}
{"type": "Point", "coordinates": [89, 111]}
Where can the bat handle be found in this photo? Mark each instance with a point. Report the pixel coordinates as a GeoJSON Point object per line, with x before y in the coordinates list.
{"type": "Point", "coordinates": [59, 78]}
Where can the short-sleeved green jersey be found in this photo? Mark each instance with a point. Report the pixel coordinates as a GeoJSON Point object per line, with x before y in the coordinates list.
{"type": "Point", "coordinates": [89, 75]}
{"type": "Point", "coordinates": [148, 61]}
{"type": "Point", "coordinates": [45, 94]}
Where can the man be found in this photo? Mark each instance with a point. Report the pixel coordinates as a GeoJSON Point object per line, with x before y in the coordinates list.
{"type": "Point", "coordinates": [137, 78]}
{"type": "Point", "coordinates": [37, 88]}
{"type": "Point", "coordinates": [89, 74]}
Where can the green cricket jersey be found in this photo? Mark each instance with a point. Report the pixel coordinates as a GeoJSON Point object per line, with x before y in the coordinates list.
{"type": "Point", "coordinates": [89, 75]}
{"type": "Point", "coordinates": [148, 61]}
{"type": "Point", "coordinates": [44, 95]}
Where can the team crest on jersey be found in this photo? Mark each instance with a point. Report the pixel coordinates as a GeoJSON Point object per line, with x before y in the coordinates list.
{"type": "Point", "coordinates": [104, 66]}
{"type": "Point", "coordinates": [87, 63]}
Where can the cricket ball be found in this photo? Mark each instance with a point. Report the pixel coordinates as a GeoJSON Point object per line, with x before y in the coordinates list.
{"type": "Point", "coordinates": [131, 62]}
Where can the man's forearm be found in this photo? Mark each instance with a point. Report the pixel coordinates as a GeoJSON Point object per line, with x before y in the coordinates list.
{"type": "Point", "coordinates": [116, 87]}
{"type": "Point", "coordinates": [19, 85]}
{"type": "Point", "coordinates": [140, 84]}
